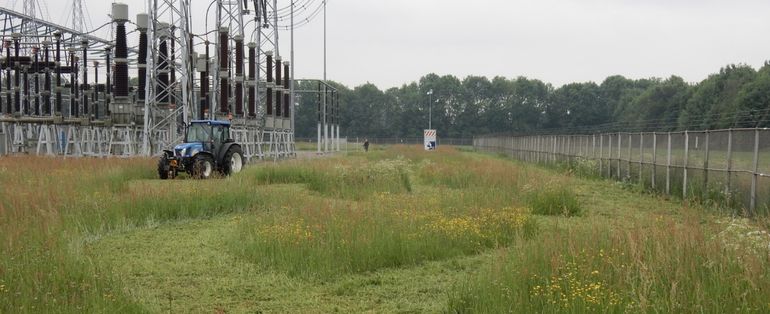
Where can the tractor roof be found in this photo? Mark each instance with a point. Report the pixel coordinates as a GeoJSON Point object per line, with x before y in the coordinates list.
{"type": "Point", "coordinates": [212, 122]}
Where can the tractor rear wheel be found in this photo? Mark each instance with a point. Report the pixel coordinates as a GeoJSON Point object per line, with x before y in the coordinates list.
{"type": "Point", "coordinates": [203, 166]}
{"type": "Point", "coordinates": [233, 161]}
{"type": "Point", "coordinates": [163, 168]}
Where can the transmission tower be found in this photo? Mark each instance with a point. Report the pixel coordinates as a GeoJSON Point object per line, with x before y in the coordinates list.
{"type": "Point", "coordinates": [78, 20]}
{"type": "Point", "coordinates": [167, 100]}
{"type": "Point", "coordinates": [29, 29]}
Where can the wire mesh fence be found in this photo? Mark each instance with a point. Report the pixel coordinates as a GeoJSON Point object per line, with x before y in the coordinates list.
{"type": "Point", "coordinates": [402, 140]}
{"type": "Point", "coordinates": [730, 168]}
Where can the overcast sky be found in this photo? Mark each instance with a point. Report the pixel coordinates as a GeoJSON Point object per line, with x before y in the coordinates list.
{"type": "Point", "coordinates": [392, 42]}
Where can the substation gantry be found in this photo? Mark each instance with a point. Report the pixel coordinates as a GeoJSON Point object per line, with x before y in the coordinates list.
{"type": "Point", "coordinates": [66, 92]}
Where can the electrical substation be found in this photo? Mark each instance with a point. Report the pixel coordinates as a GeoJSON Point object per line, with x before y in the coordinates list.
{"type": "Point", "coordinates": [64, 91]}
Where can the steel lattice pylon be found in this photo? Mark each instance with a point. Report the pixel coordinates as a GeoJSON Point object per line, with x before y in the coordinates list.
{"type": "Point", "coordinates": [230, 30]}
{"type": "Point", "coordinates": [167, 101]}
{"type": "Point", "coordinates": [53, 92]}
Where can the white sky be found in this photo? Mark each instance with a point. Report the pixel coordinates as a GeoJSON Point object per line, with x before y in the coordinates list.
{"type": "Point", "coordinates": [392, 42]}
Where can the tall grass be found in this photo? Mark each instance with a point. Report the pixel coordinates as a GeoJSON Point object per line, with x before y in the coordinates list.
{"type": "Point", "coordinates": [328, 241]}
{"type": "Point", "coordinates": [459, 205]}
{"type": "Point", "coordinates": [342, 178]}
{"type": "Point", "coordinates": [49, 205]}
{"type": "Point", "coordinates": [663, 266]}
{"type": "Point", "coordinates": [38, 271]}
{"type": "Point", "coordinates": [399, 207]}
{"type": "Point", "coordinates": [554, 199]}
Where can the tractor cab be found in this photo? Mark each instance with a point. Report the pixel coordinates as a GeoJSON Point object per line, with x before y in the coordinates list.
{"type": "Point", "coordinates": [203, 135]}
{"type": "Point", "coordinates": [207, 147]}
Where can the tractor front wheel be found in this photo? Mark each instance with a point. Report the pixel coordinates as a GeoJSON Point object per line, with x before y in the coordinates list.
{"type": "Point", "coordinates": [233, 161]}
{"type": "Point", "coordinates": [164, 167]}
{"type": "Point", "coordinates": [203, 166]}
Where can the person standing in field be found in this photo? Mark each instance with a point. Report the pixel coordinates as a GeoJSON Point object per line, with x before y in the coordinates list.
{"type": "Point", "coordinates": [366, 145]}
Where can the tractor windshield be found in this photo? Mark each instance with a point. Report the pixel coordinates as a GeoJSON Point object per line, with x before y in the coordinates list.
{"type": "Point", "coordinates": [198, 132]}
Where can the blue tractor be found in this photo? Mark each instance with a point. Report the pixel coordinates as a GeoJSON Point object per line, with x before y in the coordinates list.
{"type": "Point", "coordinates": [207, 148]}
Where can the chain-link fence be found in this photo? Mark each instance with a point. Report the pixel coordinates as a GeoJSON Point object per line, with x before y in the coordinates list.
{"type": "Point", "coordinates": [725, 167]}
{"type": "Point", "coordinates": [402, 140]}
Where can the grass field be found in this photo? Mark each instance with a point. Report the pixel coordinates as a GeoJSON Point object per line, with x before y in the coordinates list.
{"type": "Point", "coordinates": [393, 230]}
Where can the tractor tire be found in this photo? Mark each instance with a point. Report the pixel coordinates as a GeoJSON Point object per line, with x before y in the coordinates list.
{"type": "Point", "coordinates": [203, 166]}
{"type": "Point", "coordinates": [163, 168]}
{"type": "Point", "coordinates": [233, 161]}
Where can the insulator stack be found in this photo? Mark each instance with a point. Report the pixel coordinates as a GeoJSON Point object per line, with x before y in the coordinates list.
{"type": "Point", "coordinates": [36, 71]}
{"type": "Point", "coordinates": [96, 90]}
{"type": "Point", "coordinates": [269, 92]}
{"type": "Point", "coordinates": [121, 60]}
{"type": "Point", "coordinates": [73, 80]}
{"type": "Point", "coordinates": [278, 102]}
{"type": "Point", "coordinates": [203, 66]}
{"type": "Point", "coordinates": [278, 79]}
{"type": "Point", "coordinates": [162, 89]}
{"type": "Point", "coordinates": [2, 105]}
{"type": "Point", "coordinates": [278, 87]}
{"type": "Point", "coordinates": [85, 86]}
{"type": "Point", "coordinates": [239, 76]}
{"type": "Point", "coordinates": [17, 78]}
{"type": "Point", "coordinates": [224, 66]}
{"type": "Point", "coordinates": [142, 22]}
{"type": "Point", "coordinates": [47, 79]}
{"type": "Point", "coordinates": [269, 65]}
{"type": "Point", "coordinates": [108, 83]}
{"type": "Point", "coordinates": [8, 90]}
{"type": "Point", "coordinates": [25, 80]}
{"type": "Point", "coordinates": [252, 83]}
{"type": "Point", "coordinates": [57, 59]}
{"type": "Point", "coordinates": [287, 91]}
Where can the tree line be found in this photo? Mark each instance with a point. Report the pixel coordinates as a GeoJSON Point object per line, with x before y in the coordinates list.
{"type": "Point", "coordinates": [736, 96]}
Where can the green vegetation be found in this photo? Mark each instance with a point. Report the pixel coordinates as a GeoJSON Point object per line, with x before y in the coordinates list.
{"type": "Point", "coordinates": [553, 201]}
{"type": "Point", "coordinates": [392, 230]}
{"type": "Point", "coordinates": [736, 96]}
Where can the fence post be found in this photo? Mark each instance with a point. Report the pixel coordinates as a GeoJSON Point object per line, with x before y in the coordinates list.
{"type": "Point", "coordinates": [628, 172]}
{"type": "Point", "coordinates": [601, 154]}
{"type": "Point", "coordinates": [668, 165]}
{"type": "Point", "coordinates": [654, 158]}
{"type": "Point", "coordinates": [609, 155]}
{"type": "Point", "coordinates": [730, 163]}
{"type": "Point", "coordinates": [620, 155]}
{"type": "Point", "coordinates": [553, 155]}
{"type": "Point", "coordinates": [686, 157]}
{"type": "Point", "coordinates": [754, 174]}
{"type": "Point", "coordinates": [641, 156]}
{"type": "Point", "coordinates": [706, 166]}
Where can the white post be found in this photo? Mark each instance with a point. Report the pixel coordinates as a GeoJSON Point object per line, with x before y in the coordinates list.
{"type": "Point", "coordinates": [319, 138]}
{"type": "Point", "coordinates": [654, 159]}
{"type": "Point", "coordinates": [668, 165]}
{"type": "Point", "coordinates": [686, 157]}
{"type": "Point", "coordinates": [326, 138]}
{"type": "Point", "coordinates": [754, 174]}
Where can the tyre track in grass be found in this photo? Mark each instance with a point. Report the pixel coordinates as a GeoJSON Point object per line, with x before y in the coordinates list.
{"type": "Point", "coordinates": [184, 267]}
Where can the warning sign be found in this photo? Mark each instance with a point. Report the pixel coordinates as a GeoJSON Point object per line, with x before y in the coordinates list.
{"type": "Point", "coordinates": [429, 139]}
